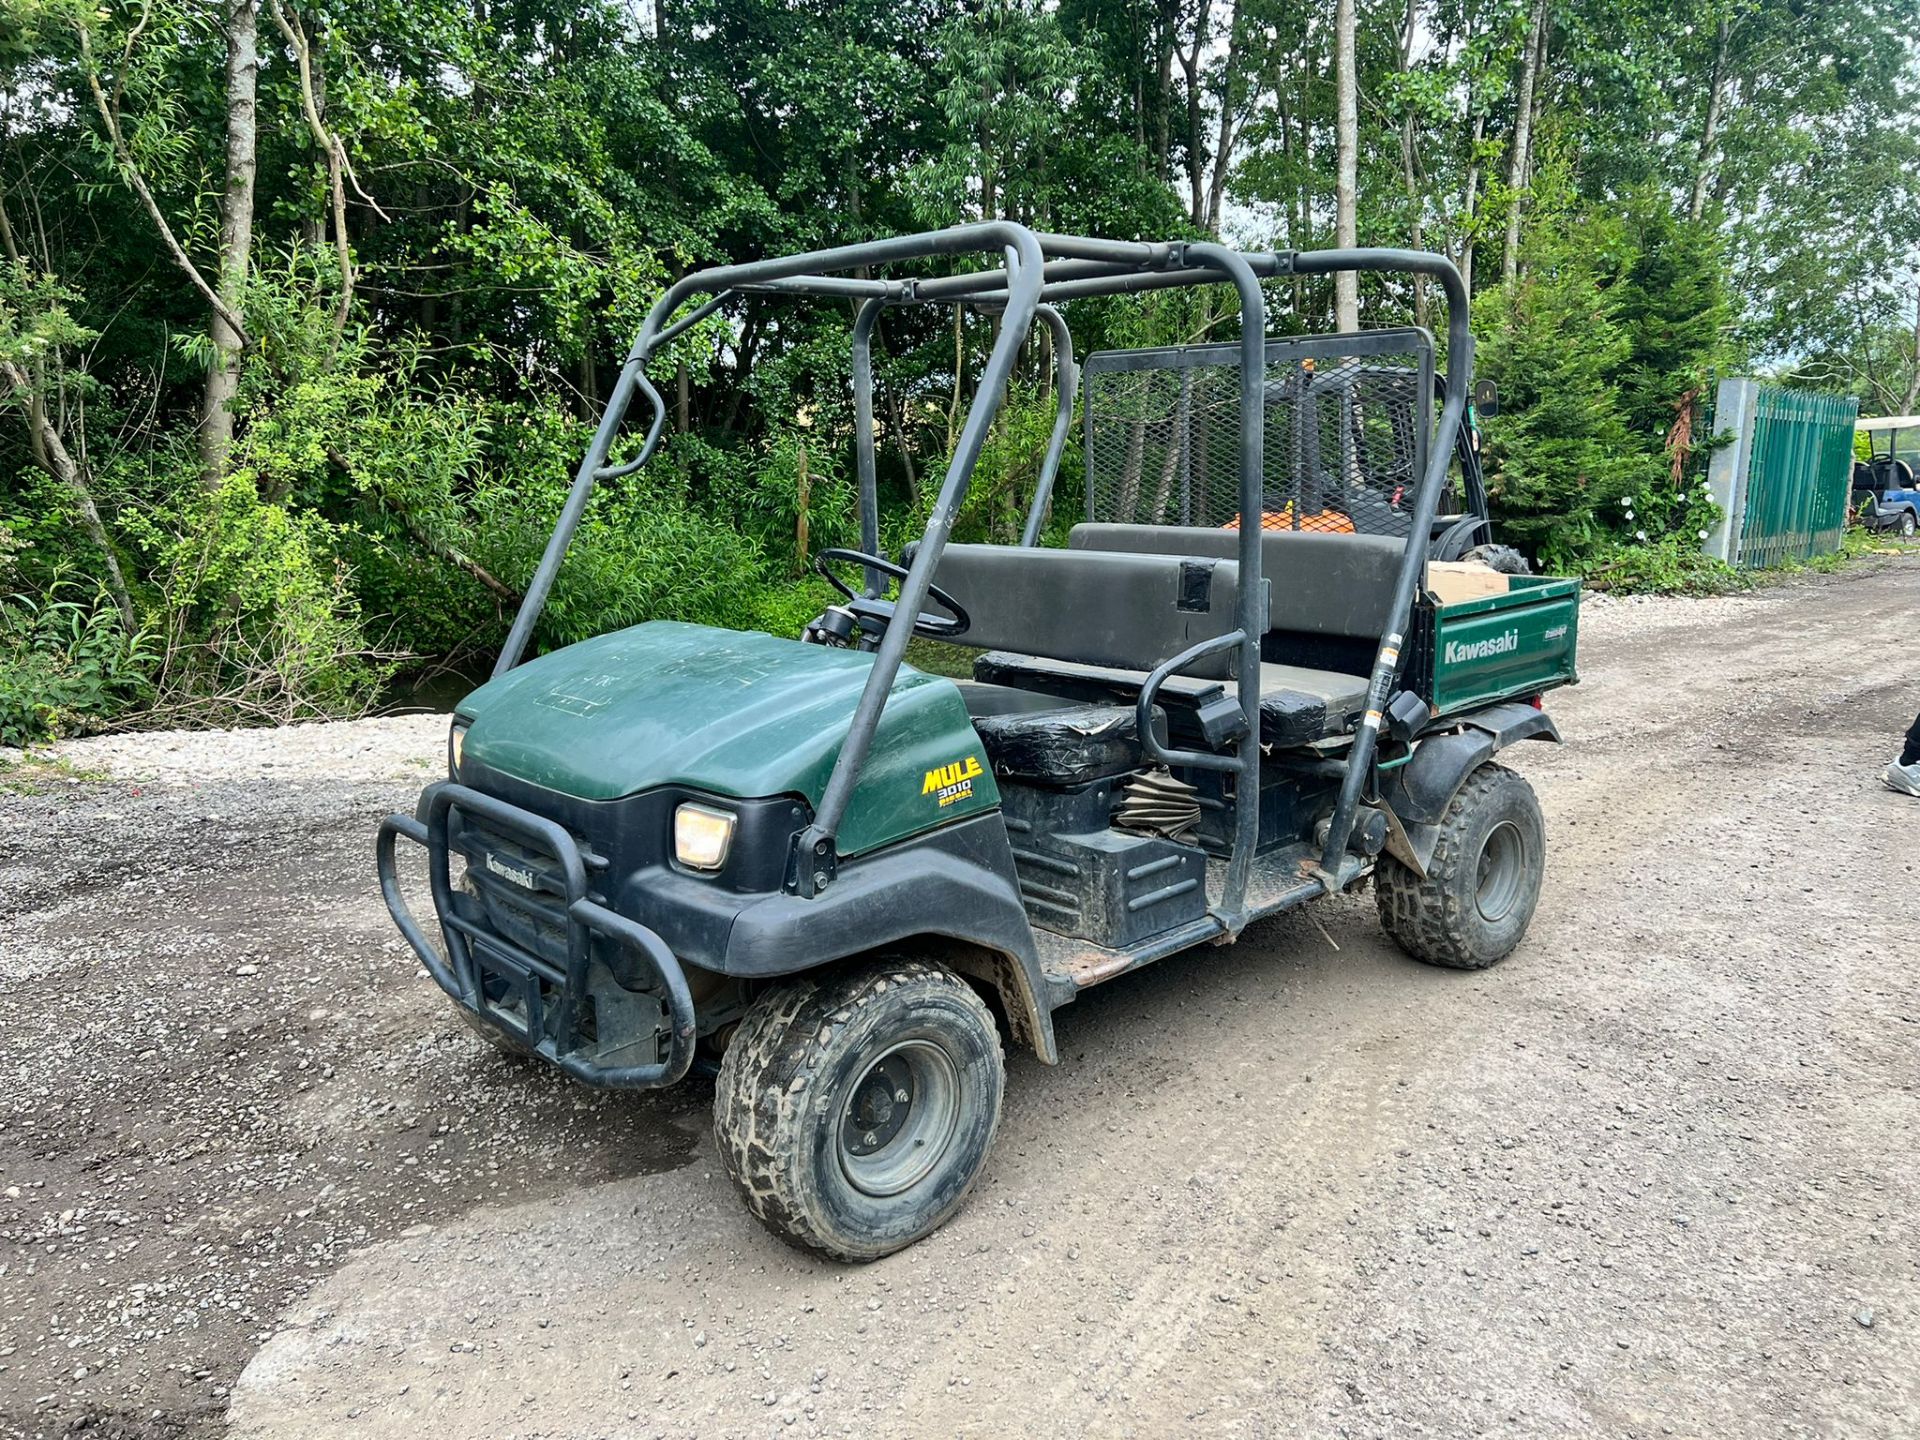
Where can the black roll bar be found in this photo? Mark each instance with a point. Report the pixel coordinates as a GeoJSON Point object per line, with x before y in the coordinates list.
{"type": "Point", "coordinates": [1426, 501]}
{"type": "Point", "coordinates": [1038, 269]}
{"type": "Point", "coordinates": [1066, 381]}
{"type": "Point", "coordinates": [1251, 601]}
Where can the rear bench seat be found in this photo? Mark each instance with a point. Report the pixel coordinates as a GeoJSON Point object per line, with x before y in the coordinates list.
{"type": "Point", "coordinates": [1297, 706]}
{"type": "Point", "coordinates": [1328, 595]}
{"type": "Point", "coordinates": [1086, 624]}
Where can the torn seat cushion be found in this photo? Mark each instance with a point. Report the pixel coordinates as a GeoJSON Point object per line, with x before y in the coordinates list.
{"type": "Point", "coordinates": [1299, 705]}
{"type": "Point", "coordinates": [1044, 740]}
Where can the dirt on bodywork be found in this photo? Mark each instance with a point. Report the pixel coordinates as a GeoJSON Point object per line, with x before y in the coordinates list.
{"type": "Point", "coordinates": [1654, 1174]}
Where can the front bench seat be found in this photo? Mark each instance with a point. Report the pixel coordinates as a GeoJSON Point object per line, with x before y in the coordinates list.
{"type": "Point", "coordinates": [1044, 740]}
{"type": "Point", "coordinates": [1297, 705]}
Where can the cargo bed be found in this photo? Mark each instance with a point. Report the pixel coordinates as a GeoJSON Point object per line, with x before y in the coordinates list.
{"type": "Point", "coordinates": [1514, 641]}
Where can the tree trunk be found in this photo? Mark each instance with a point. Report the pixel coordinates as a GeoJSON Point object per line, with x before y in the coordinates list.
{"type": "Point", "coordinates": [1346, 185]}
{"type": "Point", "coordinates": [1912, 396]}
{"type": "Point", "coordinates": [1224, 141]}
{"type": "Point", "coordinates": [1709, 132]}
{"type": "Point", "coordinates": [1163, 125]}
{"type": "Point", "coordinates": [1416, 229]}
{"type": "Point", "coordinates": [313, 107]}
{"type": "Point", "coordinates": [1196, 160]}
{"type": "Point", "coordinates": [1519, 157]}
{"type": "Point", "coordinates": [1471, 203]}
{"type": "Point", "coordinates": [959, 373]}
{"type": "Point", "coordinates": [52, 452]}
{"type": "Point", "coordinates": [236, 237]}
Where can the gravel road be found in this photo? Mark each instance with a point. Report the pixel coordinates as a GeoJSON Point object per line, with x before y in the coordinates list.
{"type": "Point", "coordinates": [1654, 1175]}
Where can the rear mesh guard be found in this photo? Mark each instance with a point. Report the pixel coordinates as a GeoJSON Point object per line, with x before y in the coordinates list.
{"type": "Point", "coordinates": [1348, 422]}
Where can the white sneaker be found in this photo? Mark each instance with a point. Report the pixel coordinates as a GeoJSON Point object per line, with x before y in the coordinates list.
{"type": "Point", "coordinates": [1904, 778]}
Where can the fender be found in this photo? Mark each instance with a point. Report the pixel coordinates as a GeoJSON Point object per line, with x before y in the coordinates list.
{"type": "Point", "coordinates": [1416, 795]}
{"type": "Point", "coordinates": [955, 884]}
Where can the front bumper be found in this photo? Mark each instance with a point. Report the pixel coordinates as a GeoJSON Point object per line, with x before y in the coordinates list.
{"type": "Point", "coordinates": [550, 1016]}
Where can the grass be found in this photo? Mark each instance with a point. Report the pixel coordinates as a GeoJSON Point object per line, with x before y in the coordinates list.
{"type": "Point", "coordinates": [22, 772]}
{"type": "Point", "coordinates": [1671, 570]}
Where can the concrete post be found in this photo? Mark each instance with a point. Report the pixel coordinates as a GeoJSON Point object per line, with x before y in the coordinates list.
{"type": "Point", "coordinates": [1734, 408]}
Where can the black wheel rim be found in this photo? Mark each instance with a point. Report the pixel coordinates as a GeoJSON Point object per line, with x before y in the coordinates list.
{"type": "Point", "coordinates": [1502, 872]}
{"type": "Point", "coordinates": [900, 1116]}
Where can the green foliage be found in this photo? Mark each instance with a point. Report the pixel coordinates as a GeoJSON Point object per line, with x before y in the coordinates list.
{"type": "Point", "coordinates": [35, 316]}
{"type": "Point", "coordinates": [266, 622]}
{"type": "Point", "coordinates": [68, 663]}
{"type": "Point", "coordinates": [996, 507]}
{"type": "Point", "coordinates": [1596, 452]}
{"type": "Point", "coordinates": [1669, 301]}
{"type": "Point", "coordinates": [1665, 567]}
{"type": "Point", "coordinates": [1560, 453]}
{"type": "Point", "coordinates": [527, 178]}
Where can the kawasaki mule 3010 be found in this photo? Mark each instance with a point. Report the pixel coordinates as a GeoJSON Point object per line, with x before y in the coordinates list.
{"type": "Point", "coordinates": [1251, 679]}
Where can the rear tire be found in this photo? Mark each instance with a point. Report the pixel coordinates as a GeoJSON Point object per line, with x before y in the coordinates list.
{"type": "Point", "coordinates": [855, 1111]}
{"type": "Point", "coordinates": [1478, 895]}
{"type": "Point", "coordinates": [1906, 525]}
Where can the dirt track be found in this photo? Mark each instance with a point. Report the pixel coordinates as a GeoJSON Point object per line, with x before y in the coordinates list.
{"type": "Point", "coordinates": [1657, 1174]}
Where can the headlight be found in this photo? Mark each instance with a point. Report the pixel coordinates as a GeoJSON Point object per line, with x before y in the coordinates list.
{"type": "Point", "coordinates": [701, 836]}
{"type": "Point", "coordinates": [456, 744]}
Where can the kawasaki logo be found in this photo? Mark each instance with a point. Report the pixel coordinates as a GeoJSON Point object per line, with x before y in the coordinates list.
{"type": "Point", "coordinates": [519, 875]}
{"type": "Point", "coordinates": [1483, 649]}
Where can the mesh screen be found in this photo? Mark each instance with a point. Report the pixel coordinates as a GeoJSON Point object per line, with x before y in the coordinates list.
{"type": "Point", "coordinates": [1345, 444]}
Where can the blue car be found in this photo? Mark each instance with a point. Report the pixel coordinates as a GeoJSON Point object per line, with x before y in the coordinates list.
{"type": "Point", "coordinates": [1885, 496]}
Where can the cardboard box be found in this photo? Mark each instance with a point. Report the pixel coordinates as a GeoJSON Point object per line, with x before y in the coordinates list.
{"type": "Point", "coordinates": [1455, 580]}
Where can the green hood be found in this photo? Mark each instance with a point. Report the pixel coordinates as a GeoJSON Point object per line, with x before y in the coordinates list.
{"type": "Point", "coordinates": [732, 713]}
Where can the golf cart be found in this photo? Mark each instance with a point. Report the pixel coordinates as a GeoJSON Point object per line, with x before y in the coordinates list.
{"type": "Point", "coordinates": [1885, 496]}
{"type": "Point", "coordinates": [837, 876]}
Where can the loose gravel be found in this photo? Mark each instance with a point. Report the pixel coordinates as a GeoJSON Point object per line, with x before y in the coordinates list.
{"type": "Point", "coordinates": [1653, 1175]}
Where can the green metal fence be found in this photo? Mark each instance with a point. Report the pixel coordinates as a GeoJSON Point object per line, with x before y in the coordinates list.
{"type": "Point", "coordinates": [1783, 479]}
{"type": "Point", "coordinates": [1797, 476]}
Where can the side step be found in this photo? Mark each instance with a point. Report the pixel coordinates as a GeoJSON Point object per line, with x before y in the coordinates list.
{"type": "Point", "coordinates": [1278, 883]}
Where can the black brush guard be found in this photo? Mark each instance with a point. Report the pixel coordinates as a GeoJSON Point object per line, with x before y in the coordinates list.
{"type": "Point", "coordinates": [459, 972]}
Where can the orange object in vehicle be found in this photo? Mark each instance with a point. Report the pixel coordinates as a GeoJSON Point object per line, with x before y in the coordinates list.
{"type": "Point", "coordinates": [1328, 522]}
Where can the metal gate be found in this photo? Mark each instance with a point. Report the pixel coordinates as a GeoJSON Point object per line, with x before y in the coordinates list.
{"type": "Point", "coordinates": [1782, 480]}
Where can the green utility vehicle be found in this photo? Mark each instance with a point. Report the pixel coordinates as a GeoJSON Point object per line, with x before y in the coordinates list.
{"type": "Point", "coordinates": [1249, 680]}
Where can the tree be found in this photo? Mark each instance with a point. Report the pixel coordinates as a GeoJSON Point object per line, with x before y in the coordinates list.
{"type": "Point", "coordinates": [241, 24]}
{"type": "Point", "coordinates": [1346, 185]}
{"type": "Point", "coordinates": [1519, 155]}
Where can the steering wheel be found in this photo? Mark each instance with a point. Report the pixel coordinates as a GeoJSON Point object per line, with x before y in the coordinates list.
{"type": "Point", "coordinates": [880, 613]}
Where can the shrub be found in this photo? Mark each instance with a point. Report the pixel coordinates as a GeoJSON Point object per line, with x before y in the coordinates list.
{"type": "Point", "coordinates": [68, 663]}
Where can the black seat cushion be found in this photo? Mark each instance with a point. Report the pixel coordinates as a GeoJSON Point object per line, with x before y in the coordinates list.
{"type": "Point", "coordinates": [1297, 705]}
{"type": "Point", "coordinates": [1035, 737]}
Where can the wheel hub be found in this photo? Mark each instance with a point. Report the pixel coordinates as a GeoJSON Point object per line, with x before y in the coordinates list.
{"type": "Point", "coordinates": [881, 1104]}
{"type": "Point", "coordinates": [900, 1116]}
{"type": "Point", "coordinates": [1500, 876]}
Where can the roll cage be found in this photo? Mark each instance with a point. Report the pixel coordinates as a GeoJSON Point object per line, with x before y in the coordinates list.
{"type": "Point", "coordinates": [1037, 270]}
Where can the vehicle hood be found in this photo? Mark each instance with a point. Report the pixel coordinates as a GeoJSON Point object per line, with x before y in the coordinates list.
{"type": "Point", "coordinates": [729, 712]}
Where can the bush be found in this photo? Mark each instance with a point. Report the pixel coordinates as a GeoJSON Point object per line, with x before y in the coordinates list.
{"type": "Point", "coordinates": [262, 624]}
{"type": "Point", "coordinates": [1559, 453]}
{"type": "Point", "coordinates": [68, 663]}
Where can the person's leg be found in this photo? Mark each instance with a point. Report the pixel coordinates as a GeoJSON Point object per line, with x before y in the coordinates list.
{"type": "Point", "coordinates": [1904, 774]}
